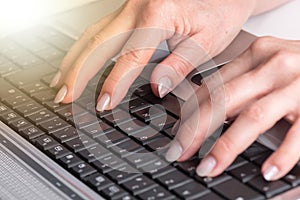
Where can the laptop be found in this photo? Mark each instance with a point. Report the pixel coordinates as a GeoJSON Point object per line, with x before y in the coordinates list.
{"type": "Point", "coordinates": [56, 151]}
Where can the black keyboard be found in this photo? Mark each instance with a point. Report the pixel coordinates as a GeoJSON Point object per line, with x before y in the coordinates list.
{"type": "Point", "coordinates": [107, 150]}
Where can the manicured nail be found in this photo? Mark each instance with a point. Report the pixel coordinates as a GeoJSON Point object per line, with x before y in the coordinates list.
{"type": "Point", "coordinates": [174, 152]}
{"type": "Point", "coordinates": [55, 79]}
{"type": "Point", "coordinates": [61, 94]}
{"type": "Point", "coordinates": [270, 173]}
{"type": "Point", "coordinates": [164, 86]}
{"type": "Point", "coordinates": [206, 166]}
{"type": "Point", "coordinates": [103, 102]}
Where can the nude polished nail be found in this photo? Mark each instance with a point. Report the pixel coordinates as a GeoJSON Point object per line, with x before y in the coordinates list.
{"type": "Point", "coordinates": [103, 102]}
{"type": "Point", "coordinates": [270, 173]}
{"type": "Point", "coordinates": [164, 86]}
{"type": "Point", "coordinates": [206, 166]}
{"type": "Point", "coordinates": [174, 152]}
{"type": "Point", "coordinates": [61, 94]}
{"type": "Point", "coordinates": [55, 79]}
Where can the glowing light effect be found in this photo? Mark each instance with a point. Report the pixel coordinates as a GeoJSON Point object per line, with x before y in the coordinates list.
{"type": "Point", "coordinates": [15, 13]}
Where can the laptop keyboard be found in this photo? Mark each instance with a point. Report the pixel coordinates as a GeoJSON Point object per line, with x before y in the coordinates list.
{"type": "Point", "coordinates": [107, 150]}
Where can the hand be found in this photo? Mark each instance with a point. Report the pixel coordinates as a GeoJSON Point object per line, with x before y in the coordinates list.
{"type": "Point", "coordinates": [258, 89]}
{"type": "Point", "coordinates": [195, 31]}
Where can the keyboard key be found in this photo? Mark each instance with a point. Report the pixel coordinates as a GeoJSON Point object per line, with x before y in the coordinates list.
{"type": "Point", "coordinates": [70, 160]}
{"type": "Point", "coordinates": [132, 126]}
{"type": "Point", "coordinates": [82, 170]}
{"type": "Point", "coordinates": [98, 181]}
{"type": "Point", "coordinates": [45, 142]}
{"type": "Point", "coordinates": [44, 96]}
{"type": "Point", "coordinates": [29, 108]}
{"type": "Point", "coordinates": [191, 190]}
{"type": "Point", "coordinates": [55, 107]}
{"type": "Point", "coordinates": [254, 151]}
{"type": "Point", "coordinates": [169, 102]}
{"type": "Point", "coordinates": [142, 90]}
{"type": "Point", "coordinates": [113, 192]}
{"type": "Point", "coordinates": [9, 117]}
{"type": "Point", "coordinates": [246, 172]}
{"type": "Point", "coordinates": [157, 193]}
{"type": "Point", "coordinates": [163, 122]}
{"type": "Point", "coordinates": [111, 138]}
{"type": "Point", "coordinates": [66, 134]}
{"type": "Point", "coordinates": [174, 179]}
{"type": "Point", "coordinates": [34, 87]}
{"type": "Point", "coordinates": [80, 143]}
{"type": "Point", "coordinates": [150, 113]}
{"type": "Point", "coordinates": [239, 161]}
{"type": "Point", "coordinates": [293, 177]}
{"type": "Point", "coordinates": [147, 135]}
{"type": "Point", "coordinates": [97, 129]}
{"type": "Point", "coordinates": [141, 159]}
{"type": "Point", "coordinates": [270, 189]}
{"type": "Point", "coordinates": [213, 181]}
{"type": "Point", "coordinates": [4, 108]}
{"type": "Point", "coordinates": [118, 117]}
{"type": "Point", "coordinates": [8, 69]}
{"type": "Point", "coordinates": [16, 100]}
{"type": "Point", "coordinates": [80, 121]}
{"type": "Point", "coordinates": [122, 176]}
{"type": "Point", "coordinates": [189, 166]}
{"type": "Point", "coordinates": [7, 90]}
{"type": "Point", "coordinates": [20, 124]}
{"type": "Point", "coordinates": [154, 166]}
{"type": "Point", "coordinates": [139, 184]}
{"type": "Point", "coordinates": [53, 125]}
{"type": "Point", "coordinates": [240, 190]}
{"type": "Point", "coordinates": [135, 105]}
{"type": "Point", "coordinates": [125, 148]}
{"type": "Point", "coordinates": [94, 153]}
{"type": "Point", "coordinates": [211, 196]}
{"type": "Point", "coordinates": [160, 144]}
{"type": "Point", "coordinates": [50, 53]}
{"type": "Point", "coordinates": [31, 132]}
{"type": "Point", "coordinates": [70, 111]}
{"type": "Point", "coordinates": [41, 116]}
{"type": "Point", "coordinates": [30, 75]}
{"type": "Point", "coordinates": [58, 151]}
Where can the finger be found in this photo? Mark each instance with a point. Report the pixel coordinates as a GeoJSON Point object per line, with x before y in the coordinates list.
{"type": "Point", "coordinates": [285, 157]}
{"type": "Point", "coordinates": [202, 122]}
{"type": "Point", "coordinates": [134, 56]}
{"type": "Point", "coordinates": [104, 46]}
{"type": "Point", "coordinates": [259, 52]}
{"type": "Point", "coordinates": [186, 56]}
{"type": "Point", "coordinates": [253, 121]}
{"type": "Point", "coordinates": [79, 46]}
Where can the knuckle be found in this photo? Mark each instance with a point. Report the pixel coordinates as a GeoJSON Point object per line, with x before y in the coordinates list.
{"type": "Point", "coordinates": [262, 43]}
{"type": "Point", "coordinates": [227, 145]}
{"type": "Point", "coordinates": [219, 97]}
{"type": "Point", "coordinates": [285, 59]}
{"type": "Point", "coordinates": [96, 40]}
{"type": "Point", "coordinates": [254, 113]}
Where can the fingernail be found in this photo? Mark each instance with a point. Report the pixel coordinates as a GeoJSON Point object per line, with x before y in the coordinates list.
{"type": "Point", "coordinates": [164, 86]}
{"type": "Point", "coordinates": [55, 79]}
{"type": "Point", "coordinates": [206, 166]}
{"type": "Point", "coordinates": [103, 102]}
{"type": "Point", "coordinates": [174, 152]}
{"type": "Point", "coordinates": [61, 94]}
{"type": "Point", "coordinates": [270, 173]}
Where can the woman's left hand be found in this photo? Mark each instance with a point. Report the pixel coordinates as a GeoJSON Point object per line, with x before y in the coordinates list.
{"type": "Point", "coordinates": [258, 88]}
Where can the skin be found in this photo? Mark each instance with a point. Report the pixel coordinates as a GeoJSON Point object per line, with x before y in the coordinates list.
{"type": "Point", "coordinates": [139, 26]}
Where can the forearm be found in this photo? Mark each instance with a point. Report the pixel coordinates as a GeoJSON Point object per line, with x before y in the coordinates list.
{"type": "Point", "coordinates": [266, 5]}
